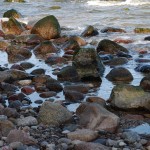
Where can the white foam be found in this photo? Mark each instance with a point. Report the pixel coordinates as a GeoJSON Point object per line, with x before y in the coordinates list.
{"type": "Point", "coordinates": [113, 3]}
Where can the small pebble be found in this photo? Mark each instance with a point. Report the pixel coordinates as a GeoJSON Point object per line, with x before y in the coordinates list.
{"type": "Point", "coordinates": [1, 143]}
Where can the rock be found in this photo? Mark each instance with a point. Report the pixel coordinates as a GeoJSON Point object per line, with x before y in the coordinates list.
{"type": "Point", "coordinates": [17, 67]}
{"type": "Point", "coordinates": [53, 114]}
{"type": "Point", "coordinates": [119, 74]}
{"type": "Point", "coordinates": [6, 87]}
{"type": "Point", "coordinates": [27, 121]}
{"type": "Point", "coordinates": [71, 45]}
{"type": "Point", "coordinates": [20, 136]}
{"type": "Point", "coordinates": [15, 104]}
{"type": "Point", "coordinates": [82, 88]}
{"type": "Point", "coordinates": [15, 145]}
{"type": "Point", "coordinates": [68, 73]}
{"type": "Point", "coordinates": [2, 33]}
{"type": "Point", "coordinates": [117, 61]}
{"type": "Point", "coordinates": [112, 29]}
{"type": "Point", "coordinates": [145, 83]}
{"type": "Point", "coordinates": [27, 90]}
{"type": "Point", "coordinates": [147, 38]}
{"type": "Point", "coordinates": [28, 39]}
{"type": "Point", "coordinates": [110, 47]}
{"type": "Point", "coordinates": [1, 143]}
{"type": "Point", "coordinates": [13, 75]}
{"type": "Point", "coordinates": [129, 97]}
{"type": "Point", "coordinates": [52, 60]}
{"type": "Point", "coordinates": [38, 71]}
{"type": "Point", "coordinates": [48, 28]}
{"type": "Point", "coordinates": [79, 40]}
{"type": "Point", "coordinates": [25, 82]}
{"type": "Point", "coordinates": [88, 64]}
{"type": "Point", "coordinates": [27, 65]}
{"type": "Point", "coordinates": [90, 146]}
{"type": "Point", "coordinates": [111, 143]}
{"type": "Point", "coordinates": [83, 135]}
{"type": "Point", "coordinates": [96, 117]}
{"type": "Point", "coordinates": [10, 112]}
{"type": "Point", "coordinates": [131, 137]}
{"type": "Point", "coordinates": [53, 85]}
{"type": "Point", "coordinates": [48, 94]}
{"type": "Point", "coordinates": [12, 26]}
{"type": "Point", "coordinates": [5, 127]}
{"type": "Point", "coordinates": [20, 1]}
{"type": "Point", "coordinates": [98, 100]}
{"type": "Point", "coordinates": [17, 53]}
{"type": "Point", "coordinates": [142, 30]}
{"type": "Point", "coordinates": [4, 45]}
{"type": "Point", "coordinates": [73, 96]}
{"type": "Point", "coordinates": [45, 48]}
{"type": "Point", "coordinates": [89, 31]}
{"type": "Point", "coordinates": [12, 13]}
{"type": "Point", "coordinates": [124, 41]}
{"type": "Point", "coordinates": [145, 68]}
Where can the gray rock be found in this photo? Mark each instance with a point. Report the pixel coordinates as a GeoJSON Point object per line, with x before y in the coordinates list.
{"type": "Point", "coordinates": [88, 64]}
{"type": "Point", "coordinates": [96, 117]}
{"type": "Point", "coordinates": [131, 137]}
{"type": "Point", "coordinates": [27, 121]}
{"type": "Point", "coordinates": [83, 135]}
{"type": "Point", "coordinates": [129, 97]}
{"type": "Point", "coordinates": [15, 145]}
{"type": "Point", "coordinates": [53, 114]}
{"type": "Point", "coordinates": [1, 143]}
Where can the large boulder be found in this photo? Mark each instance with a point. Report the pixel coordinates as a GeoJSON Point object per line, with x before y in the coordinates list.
{"type": "Point", "coordinates": [48, 28]}
{"type": "Point", "coordinates": [94, 116]}
{"type": "Point", "coordinates": [53, 114]}
{"type": "Point", "coordinates": [129, 97]}
{"type": "Point", "coordinates": [111, 47]}
{"type": "Point", "coordinates": [12, 26]}
{"type": "Point", "coordinates": [88, 64]}
{"type": "Point", "coordinates": [119, 74]}
{"type": "Point", "coordinates": [12, 13]}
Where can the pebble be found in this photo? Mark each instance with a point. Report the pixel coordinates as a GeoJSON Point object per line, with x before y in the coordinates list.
{"type": "Point", "coordinates": [15, 145]}
{"type": "Point", "coordinates": [1, 143]}
{"type": "Point", "coordinates": [121, 144]}
{"type": "Point", "coordinates": [3, 117]}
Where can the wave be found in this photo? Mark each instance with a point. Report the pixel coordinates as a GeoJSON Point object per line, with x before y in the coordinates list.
{"type": "Point", "coordinates": [117, 2]}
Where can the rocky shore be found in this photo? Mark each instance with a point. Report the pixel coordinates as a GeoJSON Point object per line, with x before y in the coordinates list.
{"type": "Point", "coordinates": [75, 71]}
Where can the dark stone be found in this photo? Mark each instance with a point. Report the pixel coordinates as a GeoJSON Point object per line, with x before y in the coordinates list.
{"type": "Point", "coordinates": [89, 31]}
{"type": "Point", "coordinates": [145, 83]}
{"type": "Point", "coordinates": [110, 47]}
{"type": "Point", "coordinates": [15, 104]}
{"type": "Point", "coordinates": [147, 38]}
{"type": "Point", "coordinates": [12, 13]}
{"type": "Point", "coordinates": [143, 68]}
{"type": "Point", "coordinates": [73, 96]}
{"type": "Point", "coordinates": [117, 61]}
{"type": "Point", "coordinates": [26, 65]}
{"type": "Point", "coordinates": [38, 71]}
{"type": "Point", "coordinates": [68, 73]}
{"type": "Point", "coordinates": [48, 94]}
{"type": "Point", "coordinates": [88, 64]}
{"type": "Point", "coordinates": [119, 74]}
{"type": "Point", "coordinates": [112, 29]}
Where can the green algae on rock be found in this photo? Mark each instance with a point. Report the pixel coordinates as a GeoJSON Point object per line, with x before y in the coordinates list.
{"type": "Point", "coordinates": [12, 13]}
{"type": "Point", "coordinates": [142, 30]}
{"type": "Point", "coordinates": [48, 28]}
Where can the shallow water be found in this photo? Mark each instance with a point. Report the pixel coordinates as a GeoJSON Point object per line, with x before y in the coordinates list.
{"type": "Point", "coordinates": [75, 15]}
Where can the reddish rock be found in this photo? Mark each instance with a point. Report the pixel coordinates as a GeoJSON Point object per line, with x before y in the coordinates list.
{"type": "Point", "coordinates": [143, 52]}
{"type": "Point", "coordinates": [20, 136]}
{"type": "Point", "coordinates": [27, 90]}
{"type": "Point", "coordinates": [2, 33]}
{"type": "Point", "coordinates": [134, 117]}
{"type": "Point", "coordinates": [124, 41]}
{"type": "Point", "coordinates": [48, 94]}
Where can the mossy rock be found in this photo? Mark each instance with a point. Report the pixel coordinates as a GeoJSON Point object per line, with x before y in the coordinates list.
{"type": "Point", "coordinates": [55, 7]}
{"type": "Point", "coordinates": [142, 30]}
{"type": "Point", "coordinates": [12, 13]}
{"type": "Point", "coordinates": [12, 26]}
{"type": "Point", "coordinates": [20, 1]}
{"type": "Point", "coordinates": [108, 46]}
{"type": "Point", "coordinates": [48, 28]}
